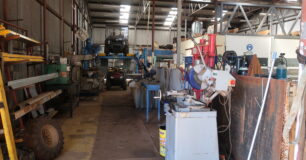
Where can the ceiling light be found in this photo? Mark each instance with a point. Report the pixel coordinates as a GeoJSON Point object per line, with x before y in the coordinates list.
{"type": "Point", "coordinates": [123, 21]}
{"type": "Point", "coordinates": [207, 1]}
{"type": "Point", "coordinates": [170, 19]}
{"type": "Point", "coordinates": [171, 16]}
{"type": "Point", "coordinates": [168, 23]}
{"type": "Point", "coordinates": [213, 19]}
{"type": "Point", "coordinates": [125, 8]}
{"type": "Point", "coordinates": [124, 15]}
{"type": "Point", "coordinates": [173, 12]}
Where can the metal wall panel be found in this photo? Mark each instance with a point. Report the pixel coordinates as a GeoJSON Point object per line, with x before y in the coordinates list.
{"type": "Point", "coordinates": [245, 112]}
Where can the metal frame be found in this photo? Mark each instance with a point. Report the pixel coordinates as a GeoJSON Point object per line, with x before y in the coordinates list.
{"type": "Point", "coordinates": [31, 80]}
{"type": "Point", "coordinates": [195, 7]}
{"type": "Point", "coordinates": [142, 10]}
{"type": "Point", "coordinates": [275, 17]}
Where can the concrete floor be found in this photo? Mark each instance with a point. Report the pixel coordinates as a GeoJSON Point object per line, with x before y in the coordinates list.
{"type": "Point", "coordinates": [108, 127]}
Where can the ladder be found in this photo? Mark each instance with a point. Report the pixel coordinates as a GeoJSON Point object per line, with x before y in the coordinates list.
{"type": "Point", "coordinates": [6, 123]}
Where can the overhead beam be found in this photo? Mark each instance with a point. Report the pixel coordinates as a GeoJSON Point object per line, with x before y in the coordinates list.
{"type": "Point", "coordinates": [261, 4]}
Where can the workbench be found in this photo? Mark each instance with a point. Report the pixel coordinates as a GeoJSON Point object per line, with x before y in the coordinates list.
{"type": "Point", "coordinates": [149, 88]}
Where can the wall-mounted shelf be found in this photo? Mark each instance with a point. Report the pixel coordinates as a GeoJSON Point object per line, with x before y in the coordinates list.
{"type": "Point", "coordinates": [35, 102]}
{"type": "Point", "coordinates": [6, 57]}
{"type": "Point", "coordinates": [6, 34]}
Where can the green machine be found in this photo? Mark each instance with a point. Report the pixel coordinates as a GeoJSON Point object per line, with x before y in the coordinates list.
{"type": "Point", "coordinates": [63, 71]}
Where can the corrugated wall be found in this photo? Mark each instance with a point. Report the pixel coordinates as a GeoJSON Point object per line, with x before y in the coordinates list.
{"type": "Point", "coordinates": [28, 14]}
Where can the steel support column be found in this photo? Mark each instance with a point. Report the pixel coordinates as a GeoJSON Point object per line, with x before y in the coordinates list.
{"type": "Point", "coordinates": [216, 19]}
{"type": "Point", "coordinates": [5, 9]}
{"type": "Point", "coordinates": [45, 28]}
{"type": "Point", "coordinates": [300, 121]}
{"type": "Point", "coordinates": [179, 20]}
{"type": "Point", "coordinates": [153, 27]}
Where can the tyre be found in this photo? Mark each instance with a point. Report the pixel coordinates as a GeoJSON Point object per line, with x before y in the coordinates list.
{"type": "Point", "coordinates": [106, 50]}
{"type": "Point", "coordinates": [124, 85]}
{"type": "Point", "coordinates": [45, 137]}
{"type": "Point", "coordinates": [108, 86]}
{"type": "Point", "coordinates": [126, 50]}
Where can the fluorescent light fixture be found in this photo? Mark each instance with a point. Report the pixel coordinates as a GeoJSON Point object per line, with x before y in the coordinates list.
{"type": "Point", "coordinates": [123, 21]}
{"type": "Point", "coordinates": [125, 8]}
{"type": "Point", "coordinates": [208, 1]}
{"type": "Point", "coordinates": [173, 13]}
{"type": "Point", "coordinates": [170, 19]}
{"type": "Point", "coordinates": [168, 23]}
{"type": "Point", "coordinates": [124, 15]}
{"type": "Point", "coordinates": [213, 19]}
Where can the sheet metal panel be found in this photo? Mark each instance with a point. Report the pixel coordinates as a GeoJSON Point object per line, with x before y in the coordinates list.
{"type": "Point", "coordinates": [246, 100]}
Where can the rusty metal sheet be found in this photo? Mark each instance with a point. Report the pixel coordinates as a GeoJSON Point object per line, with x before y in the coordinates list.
{"type": "Point", "coordinates": [246, 100]}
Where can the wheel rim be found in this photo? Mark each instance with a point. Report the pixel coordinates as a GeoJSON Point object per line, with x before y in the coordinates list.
{"type": "Point", "coordinates": [49, 135]}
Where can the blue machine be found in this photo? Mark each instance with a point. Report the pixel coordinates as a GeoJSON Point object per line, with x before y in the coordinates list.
{"type": "Point", "coordinates": [90, 48]}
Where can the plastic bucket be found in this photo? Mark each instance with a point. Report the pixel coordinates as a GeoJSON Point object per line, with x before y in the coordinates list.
{"type": "Point", "coordinates": [162, 141]}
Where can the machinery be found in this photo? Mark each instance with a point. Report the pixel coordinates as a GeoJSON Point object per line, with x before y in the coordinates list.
{"type": "Point", "coordinates": [116, 77]}
{"type": "Point", "coordinates": [191, 124]}
{"type": "Point", "coordinates": [206, 82]}
{"type": "Point", "coordinates": [91, 76]}
{"type": "Point", "coordinates": [116, 44]}
{"type": "Point", "coordinates": [191, 132]}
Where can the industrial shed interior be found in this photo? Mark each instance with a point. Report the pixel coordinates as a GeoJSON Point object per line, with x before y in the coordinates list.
{"type": "Point", "coordinates": [152, 79]}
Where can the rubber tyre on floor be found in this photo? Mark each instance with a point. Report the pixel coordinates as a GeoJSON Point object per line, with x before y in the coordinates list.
{"type": "Point", "coordinates": [108, 86]}
{"type": "Point", "coordinates": [124, 86]}
{"type": "Point", "coordinates": [126, 50]}
{"type": "Point", "coordinates": [106, 51]}
{"type": "Point", "coordinates": [45, 137]}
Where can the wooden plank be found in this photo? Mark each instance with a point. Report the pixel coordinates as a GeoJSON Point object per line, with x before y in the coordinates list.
{"type": "Point", "coordinates": [30, 100]}
{"type": "Point", "coordinates": [34, 103]}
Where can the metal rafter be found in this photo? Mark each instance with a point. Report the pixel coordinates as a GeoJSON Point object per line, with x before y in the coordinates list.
{"type": "Point", "coordinates": [230, 19]}
{"type": "Point", "coordinates": [142, 10]}
{"type": "Point", "coordinates": [279, 19]}
{"type": "Point", "coordinates": [195, 7]}
{"type": "Point", "coordinates": [263, 20]}
{"type": "Point", "coordinates": [246, 18]}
